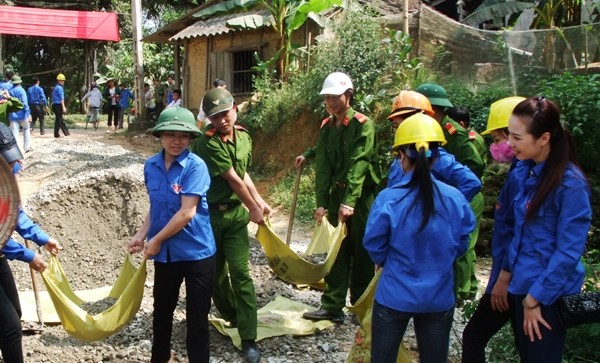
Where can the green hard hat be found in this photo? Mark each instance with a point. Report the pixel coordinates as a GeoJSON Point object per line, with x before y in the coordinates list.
{"type": "Point", "coordinates": [435, 93]}
{"type": "Point", "coordinates": [16, 80]}
{"type": "Point", "coordinates": [176, 119]}
{"type": "Point", "coordinates": [217, 100]}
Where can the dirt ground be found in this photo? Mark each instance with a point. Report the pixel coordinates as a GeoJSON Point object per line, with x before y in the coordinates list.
{"type": "Point", "coordinates": [87, 191]}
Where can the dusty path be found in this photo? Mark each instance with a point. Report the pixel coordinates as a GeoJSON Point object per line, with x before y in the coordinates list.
{"type": "Point", "coordinates": [87, 191]}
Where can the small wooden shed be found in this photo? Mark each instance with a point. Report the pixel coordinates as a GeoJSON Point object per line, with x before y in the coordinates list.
{"type": "Point", "coordinates": [212, 50]}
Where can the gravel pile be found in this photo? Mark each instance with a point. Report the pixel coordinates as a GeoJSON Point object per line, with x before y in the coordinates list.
{"type": "Point", "coordinates": [89, 194]}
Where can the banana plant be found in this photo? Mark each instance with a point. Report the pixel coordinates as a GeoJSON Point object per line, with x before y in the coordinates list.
{"type": "Point", "coordinates": [285, 17]}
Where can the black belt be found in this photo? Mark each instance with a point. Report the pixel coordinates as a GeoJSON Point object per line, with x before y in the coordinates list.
{"type": "Point", "coordinates": [223, 207]}
{"type": "Point", "coordinates": [340, 184]}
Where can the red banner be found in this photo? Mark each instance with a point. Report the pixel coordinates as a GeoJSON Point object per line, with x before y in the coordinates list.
{"type": "Point", "coordinates": [59, 23]}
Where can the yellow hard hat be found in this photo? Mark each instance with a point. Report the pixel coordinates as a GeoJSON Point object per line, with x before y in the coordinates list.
{"type": "Point", "coordinates": [419, 129]}
{"type": "Point", "coordinates": [60, 77]}
{"type": "Point", "coordinates": [409, 101]}
{"type": "Point", "coordinates": [500, 112]}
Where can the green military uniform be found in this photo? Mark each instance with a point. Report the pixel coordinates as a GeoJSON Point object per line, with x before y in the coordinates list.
{"type": "Point", "coordinates": [10, 105]}
{"type": "Point", "coordinates": [233, 293]}
{"type": "Point", "coordinates": [479, 143]}
{"type": "Point", "coordinates": [465, 151]}
{"type": "Point", "coordinates": [347, 173]}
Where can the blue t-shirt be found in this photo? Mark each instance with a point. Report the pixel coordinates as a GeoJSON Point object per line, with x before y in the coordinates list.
{"type": "Point", "coordinates": [188, 175]}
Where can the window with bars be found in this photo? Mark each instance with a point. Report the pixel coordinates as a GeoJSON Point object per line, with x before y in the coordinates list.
{"type": "Point", "coordinates": [243, 61]}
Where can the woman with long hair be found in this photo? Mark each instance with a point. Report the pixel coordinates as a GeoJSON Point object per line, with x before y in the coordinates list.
{"type": "Point", "coordinates": [416, 230]}
{"type": "Point", "coordinates": [552, 219]}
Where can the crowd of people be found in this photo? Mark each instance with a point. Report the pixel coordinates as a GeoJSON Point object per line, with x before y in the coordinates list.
{"type": "Point", "coordinates": [417, 220]}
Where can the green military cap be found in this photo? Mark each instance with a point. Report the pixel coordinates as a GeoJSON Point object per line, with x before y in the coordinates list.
{"type": "Point", "coordinates": [435, 93]}
{"type": "Point", "coordinates": [176, 119]}
{"type": "Point", "coordinates": [217, 100]}
{"type": "Point", "coordinates": [16, 80]}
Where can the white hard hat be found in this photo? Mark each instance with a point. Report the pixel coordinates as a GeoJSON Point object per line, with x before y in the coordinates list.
{"type": "Point", "coordinates": [336, 84]}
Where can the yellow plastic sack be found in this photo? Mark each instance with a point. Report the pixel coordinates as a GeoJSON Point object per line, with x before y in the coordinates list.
{"type": "Point", "coordinates": [288, 266]}
{"type": "Point", "coordinates": [363, 309]}
{"type": "Point", "coordinates": [281, 316]}
{"type": "Point", "coordinates": [128, 290]}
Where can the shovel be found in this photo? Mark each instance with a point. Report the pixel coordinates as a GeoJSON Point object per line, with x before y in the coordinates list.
{"type": "Point", "coordinates": [36, 294]}
{"type": "Point", "coordinates": [293, 207]}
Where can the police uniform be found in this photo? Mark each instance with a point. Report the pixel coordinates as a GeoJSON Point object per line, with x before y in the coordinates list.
{"type": "Point", "coordinates": [460, 145]}
{"type": "Point", "coordinates": [347, 173]}
{"type": "Point", "coordinates": [233, 294]}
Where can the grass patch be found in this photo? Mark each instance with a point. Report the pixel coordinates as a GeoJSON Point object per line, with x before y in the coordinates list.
{"type": "Point", "coordinates": [282, 193]}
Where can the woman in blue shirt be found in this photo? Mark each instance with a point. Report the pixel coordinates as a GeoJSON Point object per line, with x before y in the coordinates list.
{"type": "Point", "coordinates": [495, 308]}
{"type": "Point", "coordinates": [552, 219]}
{"type": "Point", "coordinates": [10, 307]}
{"type": "Point", "coordinates": [179, 236]}
{"type": "Point", "coordinates": [416, 230]}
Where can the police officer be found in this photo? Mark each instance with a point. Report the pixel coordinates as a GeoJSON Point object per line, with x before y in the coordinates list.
{"type": "Point", "coordinates": [37, 104]}
{"type": "Point", "coordinates": [347, 173]}
{"type": "Point", "coordinates": [460, 145]}
{"type": "Point", "coordinates": [461, 115]}
{"type": "Point", "coordinates": [227, 150]}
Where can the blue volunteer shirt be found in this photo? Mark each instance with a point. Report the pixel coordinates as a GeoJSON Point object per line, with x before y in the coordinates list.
{"type": "Point", "coordinates": [446, 169]}
{"type": "Point", "coordinates": [544, 255]}
{"type": "Point", "coordinates": [188, 175]}
{"type": "Point", "coordinates": [6, 85]}
{"type": "Point", "coordinates": [126, 95]}
{"type": "Point", "coordinates": [504, 219]}
{"type": "Point", "coordinates": [24, 113]}
{"type": "Point", "coordinates": [29, 230]}
{"type": "Point", "coordinates": [58, 94]}
{"type": "Point", "coordinates": [36, 95]}
{"type": "Point", "coordinates": [418, 274]}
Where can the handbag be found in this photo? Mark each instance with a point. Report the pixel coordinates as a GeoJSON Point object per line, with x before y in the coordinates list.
{"type": "Point", "coordinates": [582, 308]}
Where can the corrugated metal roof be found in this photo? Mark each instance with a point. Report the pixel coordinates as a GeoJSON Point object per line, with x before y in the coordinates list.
{"type": "Point", "coordinates": [215, 25]}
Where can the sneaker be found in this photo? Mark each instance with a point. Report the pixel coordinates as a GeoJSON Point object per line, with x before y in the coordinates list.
{"type": "Point", "coordinates": [251, 352]}
{"type": "Point", "coordinates": [322, 314]}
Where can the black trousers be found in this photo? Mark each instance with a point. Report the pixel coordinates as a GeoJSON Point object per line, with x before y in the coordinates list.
{"type": "Point", "coordinates": [37, 113]}
{"type": "Point", "coordinates": [59, 123]}
{"type": "Point", "coordinates": [199, 277]}
{"type": "Point", "coordinates": [482, 326]}
{"type": "Point", "coordinates": [113, 114]}
{"type": "Point", "coordinates": [10, 316]}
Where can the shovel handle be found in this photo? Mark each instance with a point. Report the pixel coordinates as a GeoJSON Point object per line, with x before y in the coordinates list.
{"type": "Point", "coordinates": [293, 206]}
{"type": "Point", "coordinates": [36, 293]}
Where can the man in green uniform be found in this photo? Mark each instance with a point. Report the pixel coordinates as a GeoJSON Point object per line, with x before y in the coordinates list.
{"type": "Point", "coordinates": [461, 115]}
{"type": "Point", "coordinates": [347, 174]}
{"type": "Point", "coordinates": [460, 145]}
{"type": "Point", "coordinates": [227, 150]}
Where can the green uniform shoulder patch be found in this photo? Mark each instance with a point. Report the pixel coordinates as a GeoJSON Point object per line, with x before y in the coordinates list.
{"type": "Point", "coordinates": [360, 117]}
{"type": "Point", "coordinates": [325, 121]}
{"type": "Point", "coordinates": [450, 128]}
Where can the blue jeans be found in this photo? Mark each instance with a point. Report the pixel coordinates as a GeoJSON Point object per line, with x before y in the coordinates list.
{"type": "Point", "coordinates": [388, 328]}
{"type": "Point", "coordinates": [550, 348]}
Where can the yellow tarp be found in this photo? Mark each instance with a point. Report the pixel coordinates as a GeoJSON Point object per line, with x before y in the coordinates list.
{"type": "Point", "coordinates": [128, 290]}
{"type": "Point", "coordinates": [289, 266]}
{"type": "Point", "coordinates": [281, 316]}
{"type": "Point", "coordinates": [363, 309]}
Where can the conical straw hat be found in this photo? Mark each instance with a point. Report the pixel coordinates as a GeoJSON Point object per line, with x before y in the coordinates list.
{"type": "Point", "coordinates": [9, 202]}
